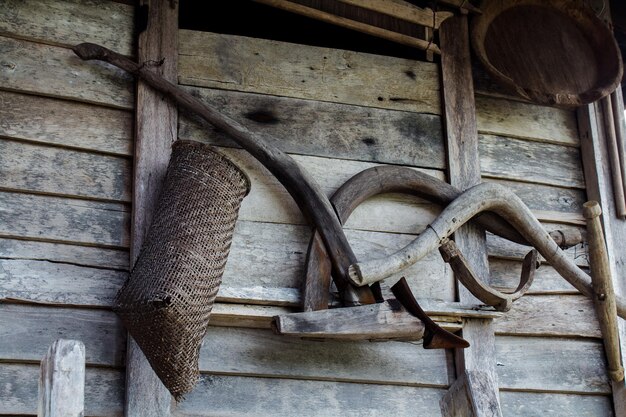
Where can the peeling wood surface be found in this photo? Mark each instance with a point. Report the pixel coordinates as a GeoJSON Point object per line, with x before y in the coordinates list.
{"type": "Point", "coordinates": [551, 365]}
{"type": "Point", "coordinates": [274, 397]}
{"type": "Point", "coordinates": [70, 22]}
{"type": "Point", "coordinates": [278, 68]}
{"type": "Point", "coordinates": [262, 353]}
{"type": "Point", "coordinates": [104, 390]}
{"type": "Point", "coordinates": [65, 76]}
{"type": "Point", "coordinates": [64, 172]}
{"type": "Point", "coordinates": [62, 380]}
{"type": "Point", "coordinates": [65, 123]}
{"type": "Point", "coordinates": [36, 217]}
{"type": "Point", "coordinates": [28, 331]}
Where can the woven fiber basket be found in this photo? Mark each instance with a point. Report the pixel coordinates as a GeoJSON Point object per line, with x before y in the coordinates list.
{"type": "Point", "coordinates": [167, 300]}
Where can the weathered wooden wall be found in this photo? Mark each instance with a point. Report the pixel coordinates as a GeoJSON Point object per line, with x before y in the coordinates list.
{"type": "Point", "coordinates": [338, 112]}
{"type": "Point", "coordinates": [66, 146]}
{"type": "Point", "coordinates": [66, 153]}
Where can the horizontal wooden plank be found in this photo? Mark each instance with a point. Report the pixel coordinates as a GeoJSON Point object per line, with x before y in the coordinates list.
{"type": "Point", "coordinates": [550, 315]}
{"type": "Point", "coordinates": [325, 129]}
{"type": "Point", "coordinates": [220, 395]}
{"type": "Point", "coordinates": [258, 248]}
{"type": "Point", "coordinates": [551, 364]}
{"type": "Point", "coordinates": [524, 404]}
{"type": "Point", "coordinates": [66, 220]}
{"type": "Point", "coordinates": [548, 203]}
{"type": "Point", "coordinates": [505, 275]}
{"type": "Point", "coordinates": [268, 200]}
{"type": "Point", "coordinates": [28, 331]}
{"type": "Point", "coordinates": [526, 121]}
{"type": "Point", "coordinates": [262, 353]}
{"type": "Point", "coordinates": [254, 65]}
{"type": "Point", "coordinates": [521, 160]}
{"type": "Point", "coordinates": [256, 251]}
{"type": "Point", "coordinates": [54, 71]}
{"type": "Point", "coordinates": [62, 253]}
{"type": "Point", "coordinates": [57, 283]}
{"type": "Point", "coordinates": [65, 172]}
{"type": "Point", "coordinates": [63, 22]}
{"type": "Point", "coordinates": [104, 390]}
{"type": "Point", "coordinates": [66, 123]}
{"type": "Point", "coordinates": [260, 295]}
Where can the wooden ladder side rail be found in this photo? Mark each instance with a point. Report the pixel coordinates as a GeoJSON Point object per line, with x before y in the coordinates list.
{"type": "Point", "coordinates": [598, 180]}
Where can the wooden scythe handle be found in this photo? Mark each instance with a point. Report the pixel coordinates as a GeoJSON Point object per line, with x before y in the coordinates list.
{"type": "Point", "coordinates": [304, 190]}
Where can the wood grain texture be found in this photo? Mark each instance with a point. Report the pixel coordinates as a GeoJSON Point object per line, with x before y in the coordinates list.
{"type": "Point", "coordinates": [57, 283]}
{"type": "Point", "coordinates": [473, 394]}
{"type": "Point", "coordinates": [325, 129]}
{"type": "Point", "coordinates": [53, 71]}
{"type": "Point", "coordinates": [104, 391]}
{"type": "Point", "coordinates": [256, 250]}
{"type": "Point", "coordinates": [249, 64]}
{"type": "Point", "coordinates": [268, 201]}
{"type": "Point", "coordinates": [464, 170]}
{"type": "Point", "coordinates": [505, 275]}
{"type": "Point", "coordinates": [526, 161]}
{"type": "Point", "coordinates": [523, 404]}
{"type": "Point", "coordinates": [62, 380]}
{"type": "Point", "coordinates": [156, 125]}
{"type": "Point", "coordinates": [550, 315]}
{"type": "Point", "coordinates": [27, 331]}
{"type": "Point", "coordinates": [262, 353]}
{"type": "Point", "coordinates": [70, 22]}
{"type": "Point", "coordinates": [64, 172]}
{"type": "Point", "coordinates": [240, 395]}
{"type": "Point", "coordinates": [63, 253]}
{"type": "Point", "coordinates": [57, 219]}
{"type": "Point", "coordinates": [240, 69]}
{"type": "Point", "coordinates": [526, 121]}
{"type": "Point", "coordinates": [551, 365]}
{"type": "Point", "coordinates": [65, 123]}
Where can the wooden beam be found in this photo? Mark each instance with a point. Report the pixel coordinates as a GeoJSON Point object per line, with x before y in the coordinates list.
{"type": "Point", "coordinates": [464, 172]}
{"type": "Point", "coordinates": [403, 10]}
{"type": "Point", "coordinates": [62, 380]}
{"type": "Point", "coordinates": [156, 123]}
{"type": "Point", "coordinates": [469, 395]}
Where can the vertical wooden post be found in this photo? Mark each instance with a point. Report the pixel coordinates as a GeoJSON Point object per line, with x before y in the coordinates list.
{"type": "Point", "coordinates": [62, 380]}
{"type": "Point", "coordinates": [464, 172]}
{"type": "Point", "coordinates": [598, 180]}
{"type": "Point", "coordinates": [156, 124]}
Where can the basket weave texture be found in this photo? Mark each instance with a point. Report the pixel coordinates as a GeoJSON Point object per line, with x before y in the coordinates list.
{"type": "Point", "coordinates": [167, 300]}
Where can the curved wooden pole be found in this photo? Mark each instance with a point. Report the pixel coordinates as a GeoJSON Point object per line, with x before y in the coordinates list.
{"type": "Point", "coordinates": [480, 198]}
{"type": "Point", "coordinates": [304, 190]}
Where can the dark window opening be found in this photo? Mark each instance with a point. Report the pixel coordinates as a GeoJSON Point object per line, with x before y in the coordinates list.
{"type": "Point", "coordinates": [247, 18]}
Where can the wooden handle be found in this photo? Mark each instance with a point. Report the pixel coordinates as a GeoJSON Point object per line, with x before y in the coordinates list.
{"type": "Point", "coordinates": [604, 296]}
{"type": "Point", "coordinates": [304, 190]}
